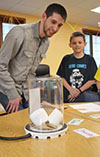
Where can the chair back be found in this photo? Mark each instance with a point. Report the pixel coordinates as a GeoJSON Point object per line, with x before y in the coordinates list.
{"type": "Point", "coordinates": [43, 70]}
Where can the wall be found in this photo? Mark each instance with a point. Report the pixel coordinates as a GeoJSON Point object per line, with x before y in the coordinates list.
{"type": "Point", "coordinates": [58, 43]}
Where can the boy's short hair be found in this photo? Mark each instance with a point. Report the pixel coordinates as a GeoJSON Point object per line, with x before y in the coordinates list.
{"type": "Point", "coordinates": [77, 34]}
{"type": "Point", "coordinates": [56, 8]}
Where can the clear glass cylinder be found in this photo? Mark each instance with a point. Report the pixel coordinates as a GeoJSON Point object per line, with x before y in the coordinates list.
{"type": "Point", "coordinates": [46, 104]}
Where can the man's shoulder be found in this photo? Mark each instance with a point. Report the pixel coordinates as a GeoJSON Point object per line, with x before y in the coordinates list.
{"type": "Point", "coordinates": [30, 30]}
{"type": "Point", "coordinates": [15, 33]}
{"type": "Point", "coordinates": [27, 26]}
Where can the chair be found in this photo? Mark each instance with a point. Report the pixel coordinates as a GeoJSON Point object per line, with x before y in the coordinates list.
{"type": "Point", "coordinates": [43, 70]}
{"type": "Point", "coordinates": [94, 88]}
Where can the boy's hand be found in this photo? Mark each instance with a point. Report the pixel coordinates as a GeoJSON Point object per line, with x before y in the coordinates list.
{"type": "Point", "coordinates": [74, 93]}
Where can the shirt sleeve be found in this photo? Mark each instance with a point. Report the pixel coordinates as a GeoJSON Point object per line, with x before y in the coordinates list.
{"type": "Point", "coordinates": [61, 68]}
{"type": "Point", "coordinates": [97, 75]}
{"type": "Point", "coordinates": [93, 68]}
{"type": "Point", "coordinates": [8, 50]}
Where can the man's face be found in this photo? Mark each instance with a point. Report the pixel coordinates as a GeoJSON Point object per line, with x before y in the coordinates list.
{"type": "Point", "coordinates": [52, 24]}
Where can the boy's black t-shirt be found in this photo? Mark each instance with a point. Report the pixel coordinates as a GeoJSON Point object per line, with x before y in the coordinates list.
{"type": "Point", "coordinates": [77, 71]}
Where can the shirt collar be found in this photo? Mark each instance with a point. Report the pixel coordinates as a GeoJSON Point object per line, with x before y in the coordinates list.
{"type": "Point", "coordinates": [36, 31]}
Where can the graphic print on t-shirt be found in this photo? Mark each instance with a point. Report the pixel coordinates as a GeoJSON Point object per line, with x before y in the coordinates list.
{"type": "Point", "coordinates": [76, 78]}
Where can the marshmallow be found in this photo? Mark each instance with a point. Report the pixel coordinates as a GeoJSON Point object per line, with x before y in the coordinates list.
{"type": "Point", "coordinates": [55, 117]}
{"type": "Point", "coordinates": [39, 116]}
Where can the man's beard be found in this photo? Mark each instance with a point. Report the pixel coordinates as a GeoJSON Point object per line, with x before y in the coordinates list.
{"type": "Point", "coordinates": [45, 31]}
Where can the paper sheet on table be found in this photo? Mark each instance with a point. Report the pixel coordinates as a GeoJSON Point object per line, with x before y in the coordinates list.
{"type": "Point", "coordinates": [87, 107]}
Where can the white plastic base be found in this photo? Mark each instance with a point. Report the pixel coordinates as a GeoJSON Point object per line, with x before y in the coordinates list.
{"type": "Point", "coordinates": [46, 135]}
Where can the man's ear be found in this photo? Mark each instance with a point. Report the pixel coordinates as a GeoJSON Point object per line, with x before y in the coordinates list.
{"type": "Point", "coordinates": [44, 16]}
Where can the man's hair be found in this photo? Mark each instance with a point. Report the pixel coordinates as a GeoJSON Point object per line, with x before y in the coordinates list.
{"type": "Point", "coordinates": [77, 34]}
{"type": "Point", "coordinates": [56, 8]}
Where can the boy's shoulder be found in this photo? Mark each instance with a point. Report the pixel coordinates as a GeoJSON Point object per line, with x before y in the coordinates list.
{"type": "Point", "coordinates": [89, 56]}
{"type": "Point", "coordinates": [68, 56]}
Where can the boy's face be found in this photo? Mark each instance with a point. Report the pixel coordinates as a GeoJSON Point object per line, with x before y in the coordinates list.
{"type": "Point", "coordinates": [78, 44]}
{"type": "Point", "coordinates": [52, 24]}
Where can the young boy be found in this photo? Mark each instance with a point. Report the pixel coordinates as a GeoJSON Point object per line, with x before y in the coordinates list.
{"type": "Point", "coordinates": [77, 71]}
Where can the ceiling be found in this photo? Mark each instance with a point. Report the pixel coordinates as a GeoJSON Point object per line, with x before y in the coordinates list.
{"type": "Point", "coordinates": [78, 10]}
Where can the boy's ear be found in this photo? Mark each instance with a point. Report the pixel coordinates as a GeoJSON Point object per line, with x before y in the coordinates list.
{"type": "Point", "coordinates": [85, 44]}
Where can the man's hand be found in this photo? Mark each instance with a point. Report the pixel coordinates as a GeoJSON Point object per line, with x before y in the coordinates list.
{"type": "Point", "coordinates": [13, 105]}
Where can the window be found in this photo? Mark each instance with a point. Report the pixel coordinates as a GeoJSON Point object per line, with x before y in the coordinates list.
{"type": "Point", "coordinates": [87, 47]}
{"type": "Point", "coordinates": [93, 44]}
{"type": "Point", "coordinates": [96, 49]}
{"type": "Point", "coordinates": [6, 23]}
{"type": "Point", "coordinates": [6, 27]}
